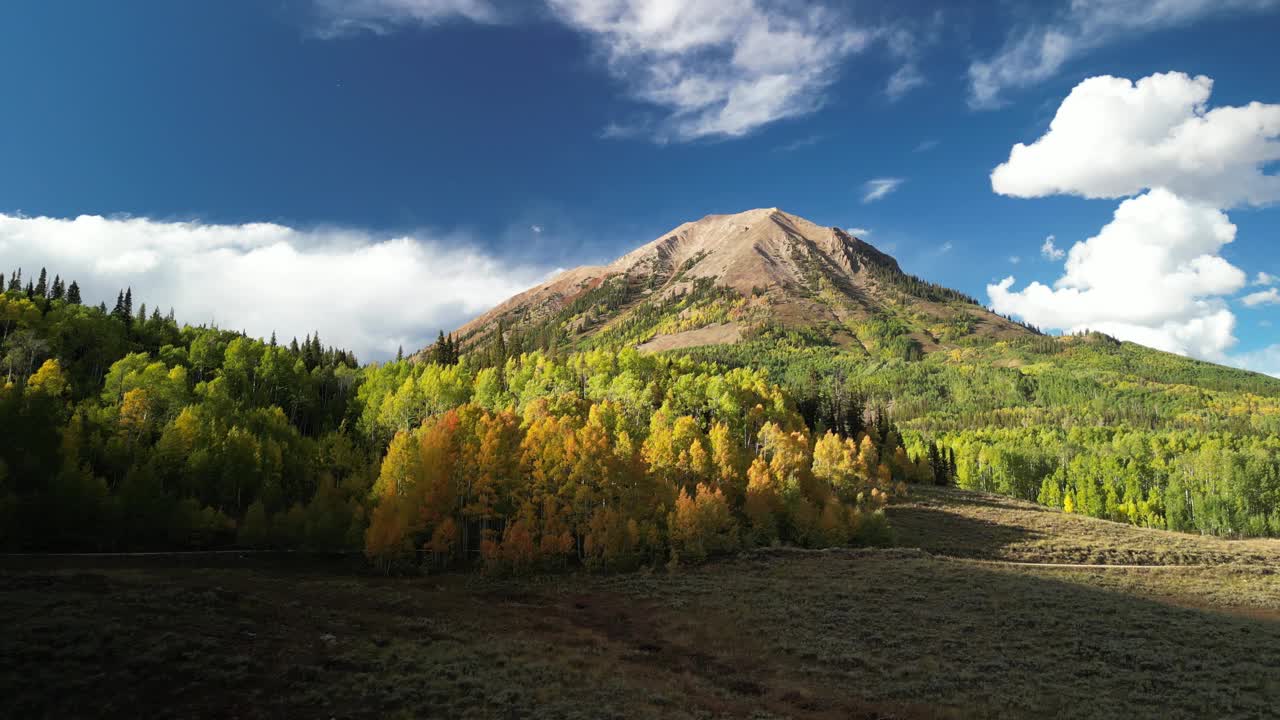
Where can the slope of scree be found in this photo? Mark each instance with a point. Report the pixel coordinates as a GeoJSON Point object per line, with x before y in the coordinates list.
{"type": "Point", "coordinates": [727, 278]}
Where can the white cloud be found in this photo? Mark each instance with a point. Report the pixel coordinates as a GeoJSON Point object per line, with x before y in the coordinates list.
{"type": "Point", "coordinates": [799, 143]}
{"type": "Point", "coordinates": [1036, 53]}
{"type": "Point", "coordinates": [1270, 296]}
{"type": "Point", "coordinates": [945, 248]}
{"type": "Point", "coordinates": [720, 69]}
{"type": "Point", "coordinates": [1265, 360]}
{"type": "Point", "coordinates": [878, 188]}
{"type": "Point", "coordinates": [1014, 259]}
{"type": "Point", "coordinates": [369, 294]}
{"type": "Point", "coordinates": [1154, 274]}
{"type": "Point", "coordinates": [859, 232]}
{"type": "Point", "coordinates": [1050, 250]}
{"type": "Point", "coordinates": [1151, 275]}
{"type": "Point", "coordinates": [537, 229]}
{"type": "Point", "coordinates": [1112, 137]}
{"type": "Point", "coordinates": [1263, 278]}
{"type": "Point", "coordinates": [344, 16]}
{"type": "Point", "coordinates": [904, 80]}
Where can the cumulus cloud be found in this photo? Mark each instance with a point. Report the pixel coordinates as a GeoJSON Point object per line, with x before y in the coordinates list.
{"type": "Point", "coordinates": [879, 188]}
{"type": "Point", "coordinates": [721, 69]}
{"type": "Point", "coordinates": [1263, 278]}
{"type": "Point", "coordinates": [1112, 137]}
{"type": "Point", "coordinates": [370, 294]}
{"type": "Point", "coordinates": [1152, 275]}
{"type": "Point", "coordinates": [1050, 250]}
{"type": "Point", "coordinates": [1270, 296]}
{"type": "Point", "coordinates": [1035, 53]}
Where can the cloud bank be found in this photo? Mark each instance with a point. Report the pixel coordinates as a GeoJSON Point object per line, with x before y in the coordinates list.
{"type": "Point", "coordinates": [365, 293]}
{"type": "Point", "coordinates": [1154, 274]}
{"type": "Point", "coordinates": [1033, 54]}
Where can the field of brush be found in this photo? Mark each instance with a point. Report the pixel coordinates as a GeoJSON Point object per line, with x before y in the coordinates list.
{"type": "Point", "coordinates": [988, 608]}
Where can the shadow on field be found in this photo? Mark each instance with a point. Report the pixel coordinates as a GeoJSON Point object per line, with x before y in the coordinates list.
{"type": "Point", "coordinates": [943, 532]}
{"type": "Point", "coordinates": [839, 634]}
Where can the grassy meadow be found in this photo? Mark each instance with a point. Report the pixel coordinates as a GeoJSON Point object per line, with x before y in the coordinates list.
{"type": "Point", "coordinates": [946, 625]}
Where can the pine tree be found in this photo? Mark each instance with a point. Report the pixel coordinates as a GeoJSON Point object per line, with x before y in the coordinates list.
{"type": "Point", "coordinates": [437, 349]}
{"type": "Point", "coordinates": [118, 311]}
{"type": "Point", "coordinates": [400, 354]}
{"type": "Point", "coordinates": [15, 280]}
{"type": "Point", "coordinates": [73, 293]}
{"type": "Point", "coordinates": [59, 290]}
{"type": "Point", "coordinates": [128, 304]}
{"type": "Point", "coordinates": [42, 285]}
{"type": "Point", "coordinates": [142, 314]}
{"type": "Point", "coordinates": [273, 338]}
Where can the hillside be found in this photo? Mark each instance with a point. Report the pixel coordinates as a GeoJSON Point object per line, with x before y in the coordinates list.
{"type": "Point", "coordinates": [729, 278]}
{"type": "Point", "coordinates": [1105, 428]}
{"type": "Point", "coordinates": [908, 632]}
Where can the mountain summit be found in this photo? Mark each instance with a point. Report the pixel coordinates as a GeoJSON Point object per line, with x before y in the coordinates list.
{"type": "Point", "coordinates": [752, 275]}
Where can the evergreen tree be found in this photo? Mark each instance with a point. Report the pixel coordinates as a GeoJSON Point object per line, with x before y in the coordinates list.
{"type": "Point", "coordinates": [439, 351]}
{"type": "Point", "coordinates": [400, 354]}
{"type": "Point", "coordinates": [15, 280]}
{"type": "Point", "coordinates": [59, 290]}
{"type": "Point", "coordinates": [42, 285]}
{"type": "Point", "coordinates": [73, 293]}
{"type": "Point", "coordinates": [273, 338]}
{"type": "Point", "coordinates": [118, 311]}
{"type": "Point", "coordinates": [128, 305]}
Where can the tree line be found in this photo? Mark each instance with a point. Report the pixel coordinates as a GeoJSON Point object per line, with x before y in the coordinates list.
{"type": "Point", "coordinates": [126, 430]}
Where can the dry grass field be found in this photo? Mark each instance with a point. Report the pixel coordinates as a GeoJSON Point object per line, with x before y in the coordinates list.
{"type": "Point", "coordinates": [892, 633]}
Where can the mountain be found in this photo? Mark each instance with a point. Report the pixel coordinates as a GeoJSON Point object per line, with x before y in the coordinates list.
{"type": "Point", "coordinates": [727, 278]}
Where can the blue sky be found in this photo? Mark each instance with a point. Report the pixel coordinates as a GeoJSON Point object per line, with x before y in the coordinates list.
{"type": "Point", "coordinates": [440, 154]}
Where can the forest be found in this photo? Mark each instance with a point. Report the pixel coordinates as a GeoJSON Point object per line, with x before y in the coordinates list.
{"type": "Point", "coordinates": [1085, 423]}
{"type": "Point", "coordinates": [126, 430]}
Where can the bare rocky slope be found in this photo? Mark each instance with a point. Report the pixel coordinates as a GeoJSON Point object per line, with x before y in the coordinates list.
{"type": "Point", "coordinates": [726, 278]}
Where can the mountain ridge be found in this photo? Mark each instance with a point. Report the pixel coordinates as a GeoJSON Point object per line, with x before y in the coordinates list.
{"type": "Point", "coordinates": [727, 277]}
